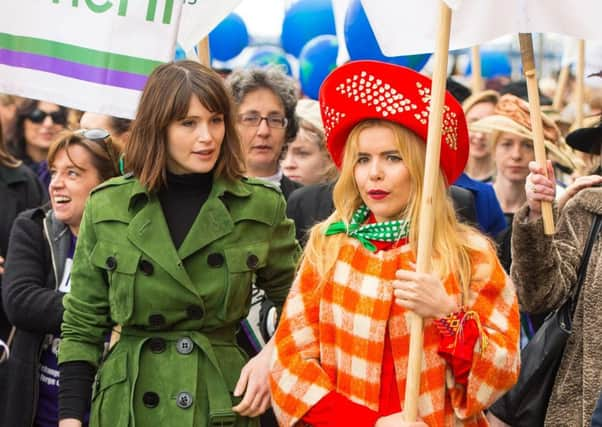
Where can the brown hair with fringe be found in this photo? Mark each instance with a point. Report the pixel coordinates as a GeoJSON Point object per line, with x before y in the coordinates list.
{"type": "Point", "coordinates": [166, 99]}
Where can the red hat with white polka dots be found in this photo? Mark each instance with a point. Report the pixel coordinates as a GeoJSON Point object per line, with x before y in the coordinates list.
{"type": "Point", "coordinates": [362, 90]}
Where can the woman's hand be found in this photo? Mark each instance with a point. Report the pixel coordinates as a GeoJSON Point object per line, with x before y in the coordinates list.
{"type": "Point", "coordinates": [397, 420]}
{"type": "Point", "coordinates": [254, 382]}
{"type": "Point", "coordinates": [539, 189]}
{"type": "Point", "coordinates": [495, 421]}
{"type": "Point", "coordinates": [577, 185]}
{"type": "Point", "coordinates": [1, 266]}
{"type": "Point", "coordinates": [423, 294]}
{"type": "Point", "coordinates": [70, 422]}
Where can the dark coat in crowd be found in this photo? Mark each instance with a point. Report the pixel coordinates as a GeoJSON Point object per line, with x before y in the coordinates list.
{"type": "Point", "coordinates": [287, 186]}
{"type": "Point", "coordinates": [39, 245]}
{"type": "Point", "coordinates": [19, 190]}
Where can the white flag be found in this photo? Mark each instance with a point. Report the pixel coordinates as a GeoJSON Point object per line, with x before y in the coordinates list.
{"type": "Point", "coordinates": [199, 17]}
{"type": "Point", "coordinates": [406, 27]}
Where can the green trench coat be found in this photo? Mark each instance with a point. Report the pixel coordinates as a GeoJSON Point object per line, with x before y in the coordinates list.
{"type": "Point", "coordinates": [177, 362]}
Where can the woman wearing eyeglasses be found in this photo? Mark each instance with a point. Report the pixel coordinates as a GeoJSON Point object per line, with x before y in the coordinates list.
{"type": "Point", "coordinates": [266, 101]}
{"type": "Point", "coordinates": [166, 258]}
{"type": "Point", "coordinates": [37, 276]}
{"type": "Point", "coordinates": [36, 126]}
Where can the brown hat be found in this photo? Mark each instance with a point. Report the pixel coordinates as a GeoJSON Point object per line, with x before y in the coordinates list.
{"type": "Point", "coordinates": [512, 115]}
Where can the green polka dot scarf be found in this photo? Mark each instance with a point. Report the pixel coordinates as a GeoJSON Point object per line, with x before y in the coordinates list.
{"type": "Point", "coordinates": [388, 231]}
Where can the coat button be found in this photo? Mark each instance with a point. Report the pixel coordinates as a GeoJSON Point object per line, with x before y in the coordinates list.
{"type": "Point", "coordinates": [150, 399]}
{"type": "Point", "coordinates": [111, 263]}
{"type": "Point", "coordinates": [157, 345]}
{"type": "Point", "coordinates": [194, 312]}
{"type": "Point", "coordinates": [156, 320]}
{"type": "Point", "coordinates": [146, 267]}
{"type": "Point", "coordinates": [184, 400]}
{"type": "Point", "coordinates": [184, 345]}
{"type": "Point", "coordinates": [215, 260]}
{"type": "Point", "coordinates": [252, 261]}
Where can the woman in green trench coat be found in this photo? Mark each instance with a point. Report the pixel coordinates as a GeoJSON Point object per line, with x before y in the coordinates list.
{"type": "Point", "coordinates": [165, 260]}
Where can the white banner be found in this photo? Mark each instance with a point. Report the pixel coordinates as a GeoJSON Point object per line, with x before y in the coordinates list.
{"type": "Point", "coordinates": [406, 27]}
{"type": "Point", "coordinates": [95, 56]}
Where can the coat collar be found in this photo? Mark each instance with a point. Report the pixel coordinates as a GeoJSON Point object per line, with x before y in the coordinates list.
{"type": "Point", "coordinates": [220, 187]}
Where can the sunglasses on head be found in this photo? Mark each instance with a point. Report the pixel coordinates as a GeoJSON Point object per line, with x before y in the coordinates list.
{"type": "Point", "coordinates": [100, 136]}
{"type": "Point", "coordinates": [38, 116]}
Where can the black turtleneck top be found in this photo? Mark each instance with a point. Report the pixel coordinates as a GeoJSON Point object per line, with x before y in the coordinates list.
{"type": "Point", "coordinates": [181, 201]}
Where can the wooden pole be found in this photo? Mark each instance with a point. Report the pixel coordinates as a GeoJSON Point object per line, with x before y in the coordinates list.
{"type": "Point", "coordinates": [477, 75]}
{"type": "Point", "coordinates": [580, 80]}
{"type": "Point", "coordinates": [563, 79]}
{"type": "Point", "coordinates": [203, 48]}
{"type": "Point", "coordinates": [427, 210]}
{"type": "Point", "coordinates": [526, 51]}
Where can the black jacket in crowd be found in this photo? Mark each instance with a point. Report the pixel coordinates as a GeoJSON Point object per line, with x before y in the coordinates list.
{"type": "Point", "coordinates": [20, 189]}
{"type": "Point", "coordinates": [39, 245]}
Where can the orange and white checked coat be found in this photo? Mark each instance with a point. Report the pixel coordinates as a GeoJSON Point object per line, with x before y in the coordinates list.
{"type": "Point", "coordinates": [332, 337]}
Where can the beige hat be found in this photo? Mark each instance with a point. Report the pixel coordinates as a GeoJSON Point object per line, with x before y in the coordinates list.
{"type": "Point", "coordinates": [489, 95]}
{"type": "Point", "coordinates": [309, 110]}
{"type": "Point", "coordinates": [512, 115]}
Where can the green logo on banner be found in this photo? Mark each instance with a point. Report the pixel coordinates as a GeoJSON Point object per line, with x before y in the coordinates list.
{"type": "Point", "coordinates": [100, 6]}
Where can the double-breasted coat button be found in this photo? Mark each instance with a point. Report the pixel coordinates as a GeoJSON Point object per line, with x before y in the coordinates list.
{"type": "Point", "coordinates": [146, 267]}
{"type": "Point", "coordinates": [184, 345]}
{"type": "Point", "coordinates": [111, 263]}
{"type": "Point", "coordinates": [150, 399]}
{"type": "Point", "coordinates": [215, 260]}
{"type": "Point", "coordinates": [194, 312]}
{"type": "Point", "coordinates": [252, 261]}
{"type": "Point", "coordinates": [157, 345]}
{"type": "Point", "coordinates": [156, 320]}
{"type": "Point", "coordinates": [184, 400]}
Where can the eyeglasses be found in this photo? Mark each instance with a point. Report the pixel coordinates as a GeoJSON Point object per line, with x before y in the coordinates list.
{"type": "Point", "coordinates": [38, 116]}
{"type": "Point", "coordinates": [254, 120]}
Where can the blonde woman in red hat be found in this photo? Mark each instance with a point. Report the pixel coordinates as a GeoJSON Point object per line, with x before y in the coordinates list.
{"type": "Point", "coordinates": [341, 347]}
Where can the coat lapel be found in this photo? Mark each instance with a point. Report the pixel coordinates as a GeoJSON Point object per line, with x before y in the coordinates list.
{"type": "Point", "coordinates": [214, 220]}
{"type": "Point", "coordinates": [148, 232]}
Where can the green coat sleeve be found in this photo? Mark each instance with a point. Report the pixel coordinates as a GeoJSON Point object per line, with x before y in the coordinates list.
{"type": "Point", "coordinates": [284, 251]}
{"type": "Point", "coordinates": [86, 321]}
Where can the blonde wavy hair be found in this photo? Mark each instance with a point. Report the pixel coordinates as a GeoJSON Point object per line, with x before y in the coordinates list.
{"type": "Point", "coordinates": [451, 239]}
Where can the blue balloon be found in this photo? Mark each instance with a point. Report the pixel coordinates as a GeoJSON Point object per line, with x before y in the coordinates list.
{"type": "Point", "coordinates": [305, 20]}
{"type": "Point", "coordinates": [267, 56]}
{"type": "Point", "coordinates": [316, 60]}
{"type": "Point", "coordinates": [493, 64]}
{"type": "Point", "coordinates": [179, 53]}
{"type": "Point", "coordinates": [229, 38]}
{"type": "Point", "coordinates": [361, 41]}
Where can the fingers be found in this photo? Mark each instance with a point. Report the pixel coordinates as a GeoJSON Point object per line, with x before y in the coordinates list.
{"type": "Point", "coordinates": [241, 385]}
{"type": "Point", "coordinates": [255, 402]}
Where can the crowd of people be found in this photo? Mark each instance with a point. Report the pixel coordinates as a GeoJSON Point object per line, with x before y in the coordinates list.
{"type": "Point", "coordinates": [239, 255]}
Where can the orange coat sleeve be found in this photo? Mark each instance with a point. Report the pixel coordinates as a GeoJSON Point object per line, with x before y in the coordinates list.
{"type": "Point", "coordinates": [496, 361]}
{"type": "Point", "coordinates": [297, 381]}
